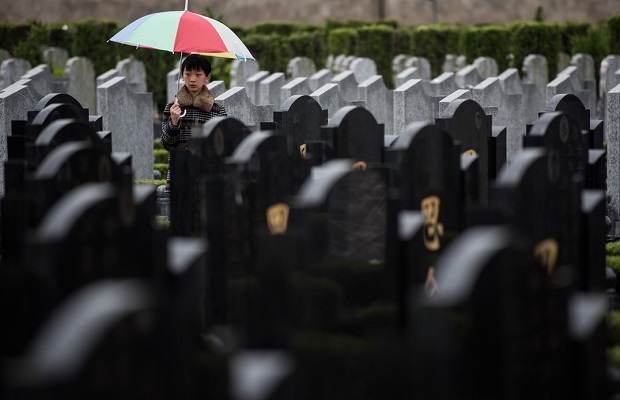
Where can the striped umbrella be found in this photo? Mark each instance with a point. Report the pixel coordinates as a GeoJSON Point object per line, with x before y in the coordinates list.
{"type": "Point", "coordinates": [183, 32]}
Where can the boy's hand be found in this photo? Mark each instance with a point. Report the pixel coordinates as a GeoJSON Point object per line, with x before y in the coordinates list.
{"type": "Point", "coordinates": [175, 112]}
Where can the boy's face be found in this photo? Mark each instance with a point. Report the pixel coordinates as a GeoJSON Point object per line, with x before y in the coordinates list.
{"type": "Point", "coordinates": [195, 80]}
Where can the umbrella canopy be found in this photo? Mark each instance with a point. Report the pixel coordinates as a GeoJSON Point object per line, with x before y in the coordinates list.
{"type": "Point", "coordinates": [184, 32]}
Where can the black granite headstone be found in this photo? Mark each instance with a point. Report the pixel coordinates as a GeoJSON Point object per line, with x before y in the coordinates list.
{"type": "Point", "coordinates": [353, 132]}
{"type": "Point", "coordinates": [199, 173]}
{"type": "Point", "coordinates": [426, 165]}
{"type": "Point", "coordinates": [571, 105]}
{"type": "Point", "coordinates": [498, 313]}
{"type": "Point", "coordinates": [472, 128]}
{"type": "Point", "coordinates": [300, 119]}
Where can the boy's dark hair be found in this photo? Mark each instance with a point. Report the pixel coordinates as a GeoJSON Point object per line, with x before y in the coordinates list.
{"type": "Point", "coordinates": [195, 62]}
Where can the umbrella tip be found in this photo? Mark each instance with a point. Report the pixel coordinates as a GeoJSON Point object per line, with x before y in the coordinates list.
{"type": "Point", "coordinates": [186, 4]}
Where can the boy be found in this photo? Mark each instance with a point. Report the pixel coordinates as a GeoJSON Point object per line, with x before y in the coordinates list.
{"type": "Point", "coordinates": [194, 105]}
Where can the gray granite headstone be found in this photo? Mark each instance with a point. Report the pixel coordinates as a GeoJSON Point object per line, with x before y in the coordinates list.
{"type": "Point", "coordinates": [487, 67]}
{"type": "Point", "coordinates": [238, 105]}
{"type": "Point", "coordinates": [536, 71]}
{"type": "Point", "coordinates": [330, 98]}
{"type": "Point", "coordinates": [467, 77]}
{"type": "Point", "coordinates": [444, 84]}
{"type": "Point", "coordinates": [414, 102]}
{"type": "Point", "coordinates": [585, 66]}
{"type": "Point", "coordinates": [338, 64]}
{"type": "Point", "coordinates": [128, 115]}
{"type": "Point", "coordinates": [586, 72]}
{"type": "Point", "coordinates": [42, 80]}
{"type": "Point", "coordinates": [363, 68]}
{"type": "Point", "coordinates": [300, 67]}
{"type": "Point", "coordinates": [568, 81]}
{"type": "Point", "coordinates": [56, 57]}
{"type": "Point", "coordinates": [512, 84]}
{"type": "Point", "coordinates": [459, 94]}
{"type": "Point", "coordinates": [4, 55]}
{"type": "Point", "coordinates": [216, 87]}
{"type": "Point", "coordinates": [329, 61]}
{"type": "Point", "coordinates": [449, 63]}
{"type": "Point", "coordinates": [81, 74]}
{"type": "Point", "coordinates": [320, 78]}
{"type": "Point", "coordinates": [15, 101]}
{"type": "Point", "coordinates": [348, 84]}
{"type": "Point", "coordinates": [422, 64]}
{"type": "Point", "coordinates": [406, 75]}
{"type": "Point", "coordinates": [108, 75]}
{"type": "Point", "coordinates": [240, 71]}
{"type": "Point", "coordinates": [379, 101]}
{"type": "Point", "coordinates": [490, 93]}
{"type": "Point", "coordinates": [12, 70]}
{"type": "Point", "coordinates": [135, 73]}
{"type": "Point", "coordinates": [398, 63]}
{"type": "Point", "coordinates": [269, 89]}
{"type": "Point", "coordinates": [296, 87]}
{"type": "Point", "coordinates": [252, 85]}
{"type": "Point", "coordinates": [612, 123]}
{"type": "Point", "coordinates": [608, 80]}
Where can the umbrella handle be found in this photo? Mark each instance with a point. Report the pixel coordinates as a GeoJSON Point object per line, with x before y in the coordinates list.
{"type": "Point", "coordinates": [176, 100]}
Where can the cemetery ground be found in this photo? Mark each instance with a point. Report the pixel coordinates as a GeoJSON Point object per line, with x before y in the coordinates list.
{"type": "Point", "coordinates": [453, 238]}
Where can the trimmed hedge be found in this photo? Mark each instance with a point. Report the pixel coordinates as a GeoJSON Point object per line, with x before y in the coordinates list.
{"type": "Point", "coordinates": [375, 42]}
{"type": "Point", "coordinates": [274, 43]}
{"type": "Point", "coordinates": [433, 42]}
{"type": "Point", "coordinates": [307, 44]}
{"type": "Point", "coordinates": [342, 41]}
{"type": "Point", "coordinates": [536, 38]}
{"type": "Point", "coordinates": [487, 41]}
{"type": "Point", "coordinates": [613, 26]}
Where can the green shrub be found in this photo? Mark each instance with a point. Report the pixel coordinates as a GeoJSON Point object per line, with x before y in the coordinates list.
{"type": "Point", "coordinates": [342, 41]}
{"type": "Point", "coordinates": [156, 182]}
{"type": "Point", "coordinates": [433, 42]}
{"type": "Point", "coordinates": [613, 327]}
{"type": "Point", "coordinates": [536, 38]}
{"type": "Point", "coordinates": [613, 248]}
{"type": "Point", "coordinates": [272, 27]}
{"type": "Point", "coordinates": [613, 26]}
{"type": "Point", "coordinates": [354, 24]}
{"type": "Point", "coordinates": [161, 167]}
{"type": "Point", "coordinates": [570, 30]}
{"type": "Point", "coordinates": [161, 156]}
{"type": "Point", "coordinates": [307, 44]}
{"type": "Point", "coordinates": [375, 42]}
{"type": "Point", "coordinates": [90, 40]}
{"type": "Point", "coordinates": [401, 41]}
{"type": "Point", "coordinates": [31, 47]}
{"type": "Point", "coordinates": [269, 51]}
{"type": "Point", "coordinates": [613, 354]}
{"type": "Point", "coordinates": [487, 41]}
{"type": "Point", "coordinates": [613, 262]}
{"type": "Point", "coordinates": [12, 34]}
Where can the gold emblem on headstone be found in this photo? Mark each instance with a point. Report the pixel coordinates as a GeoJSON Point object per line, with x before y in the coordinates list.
{"type": "Point", "coordinates": [277, 218]}
{"type": "Point", "coordinates": [360, 166]}
{"type": "Point", "coordinates": [302, 150]}
{"type": "Point", "coordinates": [433, 230]}
{"type": "Point", "coordinates": [546, 252]}
{"type": "Point", "coordinates": [470, 152]}
{"type": "Point", "coordinates": [430, 286]}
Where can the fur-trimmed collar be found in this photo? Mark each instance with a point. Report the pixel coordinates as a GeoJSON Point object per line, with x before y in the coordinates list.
{"type": "Point", "coordinates": [204, 100]}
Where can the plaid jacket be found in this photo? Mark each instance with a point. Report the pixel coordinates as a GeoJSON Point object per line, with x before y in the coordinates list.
{"type": "Point", "coordinates": [178, 138]}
